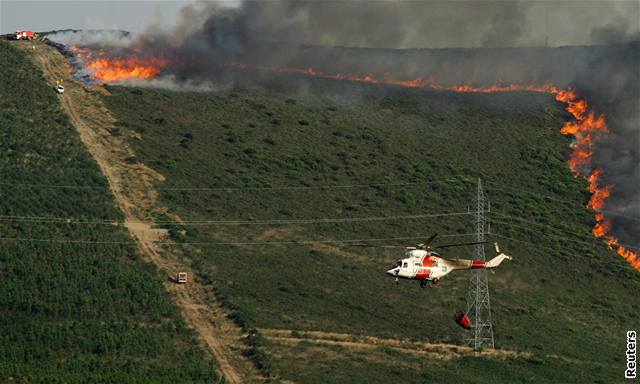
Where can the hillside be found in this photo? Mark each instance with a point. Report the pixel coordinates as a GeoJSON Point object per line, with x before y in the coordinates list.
{"type": "Point", "coordinates": [78, 303]}
{"type": "Point", "coordinates": [322, 311]}
{"type": "Point", "coordinates": [263, 194]}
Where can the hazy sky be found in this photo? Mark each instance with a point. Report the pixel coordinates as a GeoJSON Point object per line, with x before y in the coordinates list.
{"type": "Point", "coordinates": [569, 22]}
{"type": "Point", "coordinates": [87, 14]}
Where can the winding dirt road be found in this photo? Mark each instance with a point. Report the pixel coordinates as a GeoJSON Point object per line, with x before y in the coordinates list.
{"type": "Point", "coordinates": [132, 187]}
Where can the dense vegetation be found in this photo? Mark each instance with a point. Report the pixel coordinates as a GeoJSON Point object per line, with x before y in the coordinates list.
{"type": "Point", "coordinates": [78, 304]}
{"type": "Point", "coordinates": [565, 298]}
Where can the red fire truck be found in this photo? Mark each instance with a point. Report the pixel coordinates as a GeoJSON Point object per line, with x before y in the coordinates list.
{"type": "Point", "coordinates": [25, 35]}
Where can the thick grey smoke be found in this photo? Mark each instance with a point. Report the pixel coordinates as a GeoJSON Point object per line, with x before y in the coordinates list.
{"type": "Point", "coordinates": [352, 37]}
{"type": "Point", "coordinates": [110, 38]}
{"type": "Point", "coordinates": [323, 34]}
{"type": "Point", "coordinates": [613, 84]}
{"type": "Point", "coordinates": [417, 24]}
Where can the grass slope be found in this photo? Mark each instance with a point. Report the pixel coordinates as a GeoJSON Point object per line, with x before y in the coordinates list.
{"type": "Point", "coordinates": [565, 298]}
{"type": "Point", "coordinates": [74, 312]}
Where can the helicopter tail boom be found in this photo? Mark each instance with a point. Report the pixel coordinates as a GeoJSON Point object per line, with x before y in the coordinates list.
{"type": "Point", "coordinates": [497, 260]}
{"type": "Point", "coordinates": [479, 264]}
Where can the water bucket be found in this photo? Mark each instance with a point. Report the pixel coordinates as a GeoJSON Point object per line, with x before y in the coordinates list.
{"type": "Point", "coordinates": [463, 320]}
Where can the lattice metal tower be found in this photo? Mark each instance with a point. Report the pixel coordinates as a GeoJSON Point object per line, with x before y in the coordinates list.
{"type": "Point", "coordinates": [478, 303]}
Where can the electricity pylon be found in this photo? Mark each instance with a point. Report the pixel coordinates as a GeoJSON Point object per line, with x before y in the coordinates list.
{"type": "Point", "coordinates": [478, 303]}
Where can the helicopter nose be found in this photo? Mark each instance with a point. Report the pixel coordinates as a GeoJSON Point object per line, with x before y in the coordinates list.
{"type": "Point", "coordinates": [390, 272]}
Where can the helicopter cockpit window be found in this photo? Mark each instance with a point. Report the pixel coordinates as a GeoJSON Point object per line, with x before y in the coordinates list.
{"type": "Point", "coordinates": [405, 265]}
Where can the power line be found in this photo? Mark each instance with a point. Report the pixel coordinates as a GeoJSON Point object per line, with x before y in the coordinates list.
{"type": "Point", "coordinates": [590, 237]}
{"type": "Point", "coordinates": [61, 186]}
{"type": "Point", "coordinates": [570, 230]}
{"type": "Point", "coordinates": [589, 240]}
{"type": "Point", "coordinates": [304, 188]}
{"type": "Point", "coordinates": [523, 241]}
{"type": "Point", "coordinates": [594, 241]}
{"type": "Point", "coordinates": [609, 212]}
{"type": "Point", "coordinates": [512, 190]}
{"type": "Point", "coordinates": [235, 188]}
{"type": "Point", "coordinates": [66, 220]}
{"type": "Point", "coordinates": [550, 249]}
{"type": "Point", "coordinates": [462, 179]}
{"type": "Point", "coordinates": [547, 234]}
{"type": "Point", "coordinates": [504, 188]}
{"type": "Point", "coordinates": [344, 241]}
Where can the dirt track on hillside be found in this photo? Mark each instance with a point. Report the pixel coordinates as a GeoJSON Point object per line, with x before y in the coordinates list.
{"type": "Point", "coordinates": [132, 186]}
{"type": "Point", "coordinates": [437, 351]}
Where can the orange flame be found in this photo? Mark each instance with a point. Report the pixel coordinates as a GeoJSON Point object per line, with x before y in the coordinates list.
{"type": "Point", "coordinates": [602, 226]}
{"type": "Point", "coordinates": [631, 257]}
{"type": "Point", "coordinates": [599, 195]}
{"type": "Point", "coordinates": [587, 129]}
{"type": "Point", "coordinates": [304, 71]}
{"type": "Point", "coordinates": [109, 69]}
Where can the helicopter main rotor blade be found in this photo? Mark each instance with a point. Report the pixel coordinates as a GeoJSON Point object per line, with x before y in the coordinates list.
{"type": "Point", "coordinates": [429, 240]}
{"type": "Point", "coordinates": [460, 244]}
{"type": "Point", "coordinates": [374, 245]}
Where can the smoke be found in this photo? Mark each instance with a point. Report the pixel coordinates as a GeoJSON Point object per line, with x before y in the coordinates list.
{"type": "Point", "coordinates": [619, 30]}
{"type": "Point", "coordinates": [413, 24]}
{"type": "Point", "coordinates": [105, 38]}
{"type": "Point", "coordinates": [169, 82]}
{"type": "Point", "coordinates": [614, 87]}
{"type": "Point", "coordinates": [324, 34]}
{"type": "Point", "coordinates": [350, 37]}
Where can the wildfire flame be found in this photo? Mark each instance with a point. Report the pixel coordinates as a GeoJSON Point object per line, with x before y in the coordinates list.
{"type": "Point", "coordinates": [587, 127]}
{"type": "Point", "coordinates": [422, 82]}
{"type": "Point", "coordinates": [108, 69]}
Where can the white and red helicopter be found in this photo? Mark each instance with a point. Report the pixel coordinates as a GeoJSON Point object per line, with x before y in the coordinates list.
{"type": "Point", "coordinates": [426, 266]}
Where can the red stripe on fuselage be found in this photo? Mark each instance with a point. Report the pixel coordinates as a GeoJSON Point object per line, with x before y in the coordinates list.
{"type": "Point", "coordinates": [424, 273]}
{"type": "Point", "coordinates": [477, 264]}
{"type": "Point", "coordinates": [428, 261]}
{"type": "Point", "coordinates": [425, 270]}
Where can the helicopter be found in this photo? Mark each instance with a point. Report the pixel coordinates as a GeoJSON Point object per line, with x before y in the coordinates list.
{"type": "Point", "coordinates": [426, 266]}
